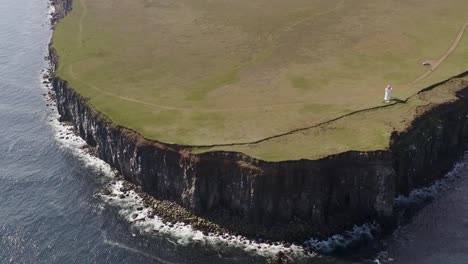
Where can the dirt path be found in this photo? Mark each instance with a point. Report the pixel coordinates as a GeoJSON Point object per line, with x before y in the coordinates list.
{"type": "Point", "coordinates": [73, 75]}
{"type": "Point", "coordinates": [455, 44]}
{"type": "Point", "coordinates": [247, 108]}
{"type": "Point", "coordinates": [444, 56]}
{"type": "Point", "coordinates": [165, 107]}
{"type": "Point", "coordinates": [191, 109]}
{"type": "Point", "coordinates": [434, 66]}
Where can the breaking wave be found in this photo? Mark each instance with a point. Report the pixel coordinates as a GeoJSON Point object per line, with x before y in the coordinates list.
{"type": "Point", "coordinates": [132, 208]}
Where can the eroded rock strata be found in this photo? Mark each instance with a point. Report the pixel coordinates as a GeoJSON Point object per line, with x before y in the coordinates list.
{"type": "Point", "coordinates": [288, 200]}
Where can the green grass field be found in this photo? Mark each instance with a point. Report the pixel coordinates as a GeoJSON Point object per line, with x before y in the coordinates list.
{"type": "Point", "coordinates": [219, 72]}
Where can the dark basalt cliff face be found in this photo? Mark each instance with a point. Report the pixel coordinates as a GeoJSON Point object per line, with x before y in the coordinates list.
{"type": "Point", "coordinates": [279, 200]}
{"type": "Point", "coordinates": [427, 150]}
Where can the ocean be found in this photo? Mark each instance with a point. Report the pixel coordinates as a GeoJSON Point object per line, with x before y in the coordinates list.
{"type": "Point", "coordinates": [59, 204]}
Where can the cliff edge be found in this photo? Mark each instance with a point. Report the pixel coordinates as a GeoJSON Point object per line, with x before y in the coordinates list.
{"type": "Point", "coordinates": [282, 200]}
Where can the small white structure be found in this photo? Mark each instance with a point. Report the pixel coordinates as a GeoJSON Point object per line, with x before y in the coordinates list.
{"type": "Point", "coordinates": [388, 93]}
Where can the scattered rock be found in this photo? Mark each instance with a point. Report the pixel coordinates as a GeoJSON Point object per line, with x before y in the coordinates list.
{"type": "Point", "coordinates": [280, 258]}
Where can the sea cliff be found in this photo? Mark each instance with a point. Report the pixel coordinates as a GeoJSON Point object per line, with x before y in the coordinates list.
{"type": "Point", "coordinates": [287, 200]}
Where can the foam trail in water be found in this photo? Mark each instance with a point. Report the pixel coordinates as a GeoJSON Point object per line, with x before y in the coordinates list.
{"type": "Point", "coordinates": [132, 209]}
{"type": "Point", "coordinates": [137, 251]}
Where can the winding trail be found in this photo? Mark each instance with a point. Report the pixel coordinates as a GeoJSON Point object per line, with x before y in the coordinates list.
{"type": "Point", "coordinates": [73, 75]}
{"type": "Point", "coordinates": [434, 66]}
{"type": "Point", "coordinates": [186, 109]}
{"type": "Point", "coordinates": [423, 76]}
{"type": "Point", "coordinates": [454, 45]}
{"type": "Point", "coordinates": [80, 24]}
{"type": "Point", "coordinates": [166, 107]}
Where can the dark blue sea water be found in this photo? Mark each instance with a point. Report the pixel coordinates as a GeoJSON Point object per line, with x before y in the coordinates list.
{"type": "Point", "coordinates": [51, 210]}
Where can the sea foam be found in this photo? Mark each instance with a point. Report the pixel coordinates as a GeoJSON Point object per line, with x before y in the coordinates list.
{"type": "Point", "coordinates": [420, 195]}
{"type": "Point", "coordinates": [131, 206]}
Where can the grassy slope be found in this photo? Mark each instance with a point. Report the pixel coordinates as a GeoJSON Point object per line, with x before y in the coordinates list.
{"type": "Point", "coordinates": [367, 131]}
{"type": "Point", "coordinates": [201, 73]}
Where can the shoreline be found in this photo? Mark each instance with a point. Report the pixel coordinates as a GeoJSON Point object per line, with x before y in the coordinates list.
{"type": "Point", "coordinates": [290, 200]}
{"type": "Point", "coordinates": [132, 204]}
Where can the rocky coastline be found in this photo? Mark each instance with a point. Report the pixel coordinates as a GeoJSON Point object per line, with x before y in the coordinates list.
{"type": "Point", "coordinates": [224, 192]}
{"type": "Point", "coordinates": [62, 7]}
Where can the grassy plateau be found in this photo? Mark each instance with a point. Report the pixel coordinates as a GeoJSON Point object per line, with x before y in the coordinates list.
{"type": "Point", "coordinates": [227, 74]}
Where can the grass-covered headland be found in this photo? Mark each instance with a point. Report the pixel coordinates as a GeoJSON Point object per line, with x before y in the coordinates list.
{"type": "Point", "coordinates": [264, 77]}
